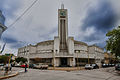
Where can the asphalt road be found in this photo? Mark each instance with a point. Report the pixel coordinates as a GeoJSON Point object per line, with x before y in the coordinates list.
{"type": "Point", "coordinates": [97, 74]}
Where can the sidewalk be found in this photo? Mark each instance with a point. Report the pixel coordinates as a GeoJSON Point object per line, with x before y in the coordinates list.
{"type": "Point", "coordinates": [66, 68]}
{"type": "Point", "coordinates": [10, 74]}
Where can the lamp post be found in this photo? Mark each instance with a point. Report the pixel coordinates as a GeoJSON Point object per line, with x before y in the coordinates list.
{"type": "Point", "coordinates": [77, 61]}
{"type": "Point", "coordinates": [88, 58]}
{"type": "Point", "coordinates": [88, 54]}
{"type": "Point", "coordinates": [54, 59]}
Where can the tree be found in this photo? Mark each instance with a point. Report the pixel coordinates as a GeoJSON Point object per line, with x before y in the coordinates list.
{"type": "Point", "coordinates": [113, 42]}
{"type": "Point", "coordinates": [4, 59]}
{"type": "Point", "coordinates": [18, 59]}
{"type": "Point", "coordinates": [21, 59]}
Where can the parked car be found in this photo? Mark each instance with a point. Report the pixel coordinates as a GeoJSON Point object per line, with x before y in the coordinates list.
{"type": "Point", "coordinates": [17, 65]}
{"type": "Point", "coordinates": [117, 66]}
{"type": "Point", "coordinates": [24, 66]}
{"type": "Point", "coordinates": [1, 66]}
{"type": "Point", "coordinates": [31, 65]}
{"type": "Point", "coordinates": [104, 65]}
{"type": "Point", "coordinates": [110, 65]}
{"type": "Point", "coordinates": [40, 66]}
{"type": "Point", "coordinates": [113, 65]}
{"type": "Point", "coordinates": [95, 66]}
{"type": "Point", "coordinates": [88, 66]}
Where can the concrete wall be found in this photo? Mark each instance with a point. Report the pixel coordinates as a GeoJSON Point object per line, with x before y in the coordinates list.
{"type": "Point", "coordinates": [56, 45]}
{"type": "Point", "coordinates": [70, 43]}
{"type": "Point", "coordinates": [71, 61]}
{"type": "Point", "coordinates": [57, 61]}
{"type": "Point", "coordinates": [41, 55]}
{"type": "Point", "coordinates": [80, 47]}
{"type": "Point", "coordinates": [32, 49]}
{"type": "Point", "coordinates": [45, 47]}
{"type": "Point", "coordinates": [91, 49]}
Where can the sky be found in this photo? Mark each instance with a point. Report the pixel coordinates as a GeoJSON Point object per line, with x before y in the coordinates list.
{"type": "Point", "coordinates": [88, 21]}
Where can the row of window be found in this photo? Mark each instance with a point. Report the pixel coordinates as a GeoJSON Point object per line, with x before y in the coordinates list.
{"type": "Point", "coordinates": [23, 51]}
{"type": "Point", "coordinates": [79, 51]}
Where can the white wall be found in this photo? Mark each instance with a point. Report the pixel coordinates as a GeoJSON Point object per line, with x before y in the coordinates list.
{"type": "Point", "coordinates": [80, 47]}
{"type": "Point", "coordinates": [56, 44]}
{"type": "Point", "coordinates": [70, 43]}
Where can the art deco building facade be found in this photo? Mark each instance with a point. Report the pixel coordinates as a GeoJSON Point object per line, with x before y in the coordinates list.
{"type": "Point", "coordinates": [63, 50]}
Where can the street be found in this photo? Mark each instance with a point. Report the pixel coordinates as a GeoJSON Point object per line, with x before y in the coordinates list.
{"type": "Point", "coordinates": [96, 74]}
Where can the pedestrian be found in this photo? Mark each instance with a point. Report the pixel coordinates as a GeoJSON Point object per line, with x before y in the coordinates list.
{"type": "Point", "coordinates": [6, 69]}
{"type": "Point", "coordinates": [10, 67]}
{"type": "Point", "coordinates": [25, 67]}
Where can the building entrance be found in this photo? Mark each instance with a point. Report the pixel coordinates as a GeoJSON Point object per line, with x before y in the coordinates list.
{"type": "Point", "coordinates": [63, 62]}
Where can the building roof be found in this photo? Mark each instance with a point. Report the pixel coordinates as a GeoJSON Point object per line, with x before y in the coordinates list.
{"type": "Point", "coordinates": [45, 42]}
{"type": "Point", "coordinates": [79, 42]}
{"type": "Point", "coordinates": [96, 46]}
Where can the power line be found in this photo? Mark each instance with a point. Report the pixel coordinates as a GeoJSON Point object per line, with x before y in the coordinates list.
{"type": "Point", "coordinates": [22, 14]}
{"type": "Point", "coordinates": [11, 25]}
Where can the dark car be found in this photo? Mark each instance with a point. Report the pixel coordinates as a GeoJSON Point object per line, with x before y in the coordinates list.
{"type": "Point", "coordinates": [31, 65]}
{"type": "Point", "coordinates": [95, 66]}
{"type": "Point", "coordinates": [104, 65]}
{"type": "Point", "coordinates": [117, 66]}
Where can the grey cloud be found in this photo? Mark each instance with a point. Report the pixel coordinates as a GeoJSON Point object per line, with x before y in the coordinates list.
{"type": "Point", "coordinates": [103, 18]}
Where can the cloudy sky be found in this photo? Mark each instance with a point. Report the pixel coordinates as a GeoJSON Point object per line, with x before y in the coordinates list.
{"type": "Point", "coordinates": [89, 21]}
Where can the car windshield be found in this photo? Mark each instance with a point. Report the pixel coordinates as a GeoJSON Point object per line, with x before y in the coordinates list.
{"type": "Point", "coordinates": [87, 65]}
{"type": "Point", "coordinates": [93, 64]}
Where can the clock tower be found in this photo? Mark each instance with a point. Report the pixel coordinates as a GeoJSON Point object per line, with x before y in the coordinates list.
{"type": "Point", "coordinates": [63, 27]}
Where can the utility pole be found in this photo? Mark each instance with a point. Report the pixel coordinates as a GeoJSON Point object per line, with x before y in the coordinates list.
{"type": "Point", "coordinates": [79, 63]}
{"type": "Point", "coordinates": [28, 55]}
{"type": "Point", "coordinates": [54, 60]}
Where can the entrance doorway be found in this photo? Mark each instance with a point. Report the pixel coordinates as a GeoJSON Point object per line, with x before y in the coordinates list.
{"type": "Point", "coordinates": [63, 62]}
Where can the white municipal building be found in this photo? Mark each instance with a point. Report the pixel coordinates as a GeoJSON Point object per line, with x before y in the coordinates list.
{"type": "Point", "coordinates": [63, 50]}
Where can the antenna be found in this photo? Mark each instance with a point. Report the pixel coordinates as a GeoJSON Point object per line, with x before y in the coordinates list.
{"type": "Point", "coordinates": [62, 6]}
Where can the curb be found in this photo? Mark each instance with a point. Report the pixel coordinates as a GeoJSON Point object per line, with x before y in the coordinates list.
{"type": "Point", "coordinates": [8, 76]}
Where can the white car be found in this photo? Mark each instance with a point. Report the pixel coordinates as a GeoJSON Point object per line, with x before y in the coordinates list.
{"type": "Point", "coordinates": [40, 66]}
{"type": "Point", "coordinates": [1, 66]}
{"type": "Point", "coordinates": [88, 66]}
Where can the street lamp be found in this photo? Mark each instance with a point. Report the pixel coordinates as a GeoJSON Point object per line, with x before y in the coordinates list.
{"type": "Point", "coordinates": [54, 59]}
{"type": "Point", "coordinates": [88, 58]}
{"type": "Point", "coordinates": [88, 54]}
{"type": "Point", "coordinates": [77, 61]}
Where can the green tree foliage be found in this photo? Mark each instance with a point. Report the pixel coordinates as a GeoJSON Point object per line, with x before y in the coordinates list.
{"type": "Point", "coordinates": [113, 42]}
{"type": "Point", "coordinates": [21, 59]}
{"type": "Point", "coordinates": [4, 59]}
{"type": "Point", "coordinates": [9, 54]}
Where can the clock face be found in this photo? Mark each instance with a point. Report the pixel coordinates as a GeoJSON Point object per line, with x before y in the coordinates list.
{"type": "Point", "coordinates": [62, 13]}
